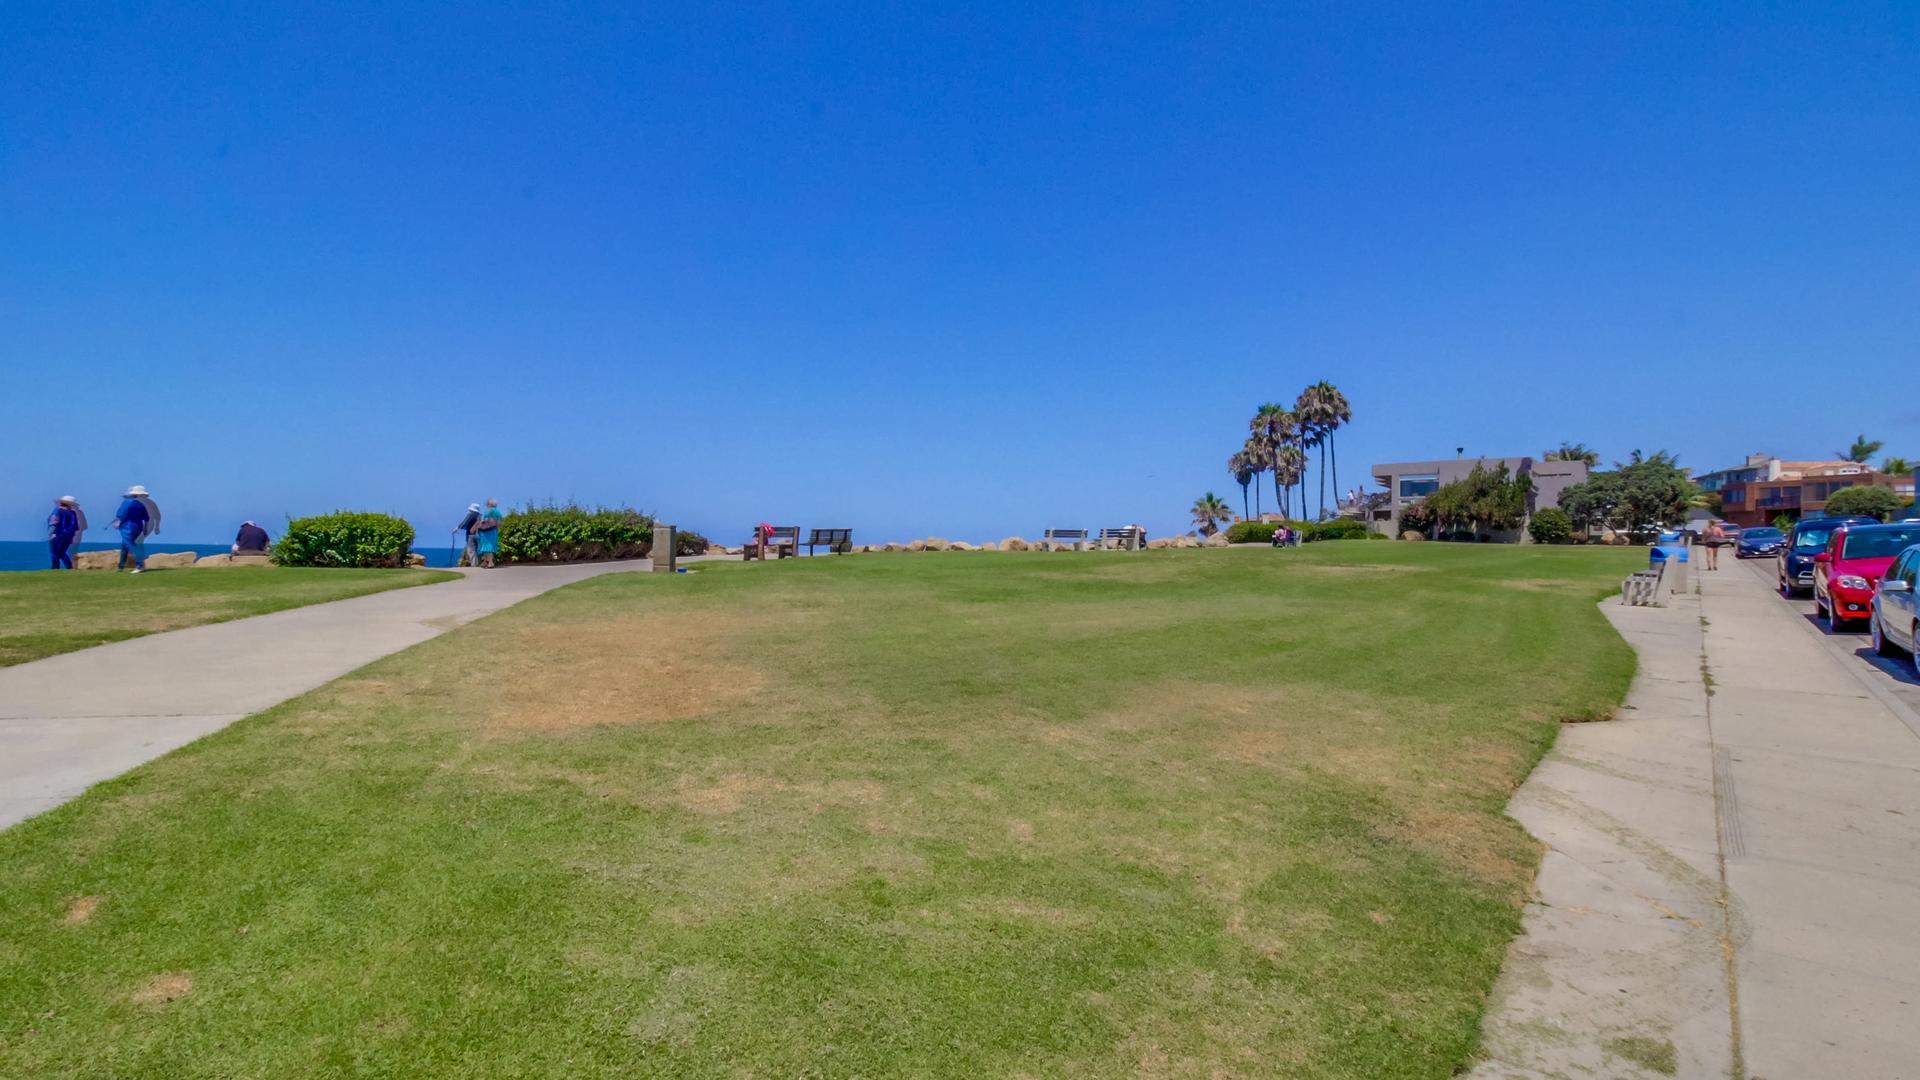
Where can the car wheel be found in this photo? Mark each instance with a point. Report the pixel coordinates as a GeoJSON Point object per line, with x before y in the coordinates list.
{"type": "Point", "coordinates": [1881, 646]}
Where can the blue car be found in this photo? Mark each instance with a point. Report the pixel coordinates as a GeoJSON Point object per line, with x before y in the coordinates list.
{"type": "Point", "coordinates": [1759, 542]}
{"type": "Point", "coordinates": [1807, 539]}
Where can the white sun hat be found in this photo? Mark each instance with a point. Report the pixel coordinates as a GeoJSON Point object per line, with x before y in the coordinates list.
{"type": "Point", "coordinates": [134, 492]}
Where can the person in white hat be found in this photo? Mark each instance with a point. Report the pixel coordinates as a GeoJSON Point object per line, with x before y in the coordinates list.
{"type": "Point", "coordinates": [64, 527]}
{"type": "Point", "coordinates": [469, 557]}
{"type": "Point", "coordinates": [138, 519]}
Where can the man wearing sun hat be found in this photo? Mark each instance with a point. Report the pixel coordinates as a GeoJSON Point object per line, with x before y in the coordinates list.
{"type": "Point", "coordinates": [63, 528]}
{"type": "Point", "coordinates": [136, 521]}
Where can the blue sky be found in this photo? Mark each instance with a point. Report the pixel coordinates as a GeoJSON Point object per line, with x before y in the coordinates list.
{"type": "Point", "coordinates": [968, 270]}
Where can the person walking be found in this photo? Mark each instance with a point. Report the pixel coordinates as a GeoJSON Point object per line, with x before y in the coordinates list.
{"type": "Point", "coordinates": [487, 531]}
{"type": "Point", "coordinates": [469, 557]}
{"type": "Point", "coordinates": [1716, 539]}
{"type": "Point", "coordinates": [136, 520]}
{"type": "Point", "coordinates": [63, 529]}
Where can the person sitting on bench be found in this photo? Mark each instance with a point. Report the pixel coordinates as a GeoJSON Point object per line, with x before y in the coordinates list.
{"type": "Point", "coordinates": [251, 540]}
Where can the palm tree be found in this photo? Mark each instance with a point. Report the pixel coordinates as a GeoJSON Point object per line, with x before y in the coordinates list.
{"type": "Point", "coordinates": [1258, 457]}
{"type": "Point", "coordinates": [1243, 474]}
{"type": "Point", "coordinates": [1573, 451]}
{"type": "Point", "coordinates": [1862, 449]}
{"type": "Point", "coordinates": [1289, 467]}
{"type": "Point", "coordinates": [1895, 464]}
{"type": "Point", "coordinates": [1315, 411]}
{"type": "Point", "coordinates": [1208, 512]}
{"type": "Point", "coordinates": [1275, 428]}
{"type": "Point", "coordinates": [1336, 413]}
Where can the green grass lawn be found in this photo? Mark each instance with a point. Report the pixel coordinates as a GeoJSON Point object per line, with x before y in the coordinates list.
{"type": "Point", "coordinates": [1182, 813]}
{"type": "Point", "coordinates": [48, 612]}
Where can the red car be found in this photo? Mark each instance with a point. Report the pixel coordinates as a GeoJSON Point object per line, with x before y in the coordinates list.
{"type": "Point", "coordinates": [1845, 575]}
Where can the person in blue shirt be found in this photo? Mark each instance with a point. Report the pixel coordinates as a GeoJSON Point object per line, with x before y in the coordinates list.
{"type": "Point", "coordinates": [135, 522]}
{"type": "Point", "coordinates": [63, 528]}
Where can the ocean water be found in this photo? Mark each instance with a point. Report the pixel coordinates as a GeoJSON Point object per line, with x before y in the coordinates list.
{"type": "Point", "coordinates": [33, 555]}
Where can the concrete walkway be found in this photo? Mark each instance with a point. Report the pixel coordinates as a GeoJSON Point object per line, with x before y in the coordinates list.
{"type": "Point", "coordinates": [71, 721]}
{"type": "Point", "coordinates": [1731, 885]}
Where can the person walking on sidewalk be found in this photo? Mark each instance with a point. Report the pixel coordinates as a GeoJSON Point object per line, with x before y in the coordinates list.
{"type": "Point", "coordinates": [136, 521]}
{"type": "Point", "coordinates": [487, 533]}
{"type": "Point", "coordinates": [468, 524]}
{"type": "Point", "coordinates": [63, 529]}
{"type": "Point", "coordinates": [1716, 539]}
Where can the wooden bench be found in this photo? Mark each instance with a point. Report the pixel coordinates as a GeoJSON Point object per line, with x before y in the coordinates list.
{"type": "Point", "coordinates": [784, 542]}
{"type": "Point", "coordinates": [1075, 537]}
{"type": "Point", "coordinates": [838, 541]}
{"type": "Point", "coordinates": [1127, 538]}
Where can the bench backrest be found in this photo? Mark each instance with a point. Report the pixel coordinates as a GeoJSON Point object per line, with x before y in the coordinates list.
{"type": "Point", "coordinates": [830, 536]}
{"type": "Point", "coordinates": [1122, 533]}
{"type": "Point", "coordinates": [786, 532]}
{"type": "Point", "coordinates": [1066, 534]}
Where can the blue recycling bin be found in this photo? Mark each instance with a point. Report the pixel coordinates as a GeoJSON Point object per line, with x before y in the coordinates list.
{"type": "Point", "coordinates": [1671, 545]}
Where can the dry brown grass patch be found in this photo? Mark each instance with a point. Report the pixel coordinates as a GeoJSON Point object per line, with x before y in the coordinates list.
{"type": "Point", "coordinates": [653, 670]}
{"type": "Point", "coordinates": [81, 909]}
{"type": "Point", "coordinates": [163, 989]}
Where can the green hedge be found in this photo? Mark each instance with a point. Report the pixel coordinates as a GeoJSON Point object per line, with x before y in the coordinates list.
{"type": "Point", "coordinates": [1339, 529]}
{"type": "Point", "coordinates": [1251, 532]}
{"type": "Point", "coordinates": [564, 534]}
{"type": "Point", "coordinates": [1550, 525]}
{"type": "Point", "coordinates": [688, 542]}
{"type": "Point", "coordinates": [345, 538]}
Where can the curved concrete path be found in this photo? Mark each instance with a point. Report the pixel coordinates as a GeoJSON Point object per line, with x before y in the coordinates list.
{"type": "Point", "coordinates": [1733, 865]}
{"type": "Point", "coordinates": [71, 721]}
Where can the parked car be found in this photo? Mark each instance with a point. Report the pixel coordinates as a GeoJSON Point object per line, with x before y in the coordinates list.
{"type": "Point", "coordinates": [1759, 542]}
{"type": "Point", "coordinates": [1896, 625]}
{"type": "Point", "coordinates": [1846, 574]}
{"type": "Point", "coordinates": [1805, 540]}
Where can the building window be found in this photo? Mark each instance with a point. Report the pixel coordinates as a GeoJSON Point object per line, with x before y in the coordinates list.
{"type": "Point", "coordinates": [1415, 485]}
{"type": "Point", "coordinates": [1733, 495]}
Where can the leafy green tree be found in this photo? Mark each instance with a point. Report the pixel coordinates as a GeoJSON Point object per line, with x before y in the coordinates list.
{"type": "Point", "coordinates": [1484, 498]}
{"type": "Point", "coordinates": [1862, 449]}
{"type": "Point", "coordinates": [1573, 451]}
{"type": "Point", "coordinates": [1550, 525]}
{"type": "Point", "coordinates": [1643, 494]}
{"type": "Point", "coordinates": [1783, 521]}
{"type": "Point", "coordinates": [1897, 465]}
{"type": "Point", "coordinates": [1209, 512]}
{"type": "Point", "coordinates": [1868, 499]}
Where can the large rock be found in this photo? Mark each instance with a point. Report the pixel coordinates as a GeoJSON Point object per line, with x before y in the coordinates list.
{"type": "Point", "coordinates": [1413, 534]}
{"type": "Point", "coordinates": [989, 546]}
{"type": "Point", "coordinates": [236, 560]}
{"type": "Point", "coordinates": [1013, 543]}
{"type": "Point", "coordinates": [935, 543]}
{"type": "Point", "coordinates": [893, 545]}
{"type": "Point", "coordinates": [1217, 540]}
{"type": "Point", "coordinates": [95, 560]}
{"type": "Point", "coordinates": [416, 560]}
{"type": "Point", "coordinates": [171, 560]}
{"type": "Point", "coordinates": [1160, 543]}
{"type": "Point", "coordinates": [917, 545]}
{"type": "Point", "coordinates": [961, 545]}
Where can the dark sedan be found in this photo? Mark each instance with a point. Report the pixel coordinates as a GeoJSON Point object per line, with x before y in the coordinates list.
{"type": "Point", "coordinates": [1808, 538]}
{"type": "Point", "coordinates": [1759, 542]}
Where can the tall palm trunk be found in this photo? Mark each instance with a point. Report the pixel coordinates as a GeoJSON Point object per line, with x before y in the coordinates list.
{"type": "Point", "coordinates": [1256, 494]}
{"type": "Point", "coordinates": [1323, 481]}
{"type": "Point", "coordinates": [1279, 500]}
{"type": "Point", "coordinates": [1243, 500]}
{"type": "Point", "coordinates": [1335, 456]}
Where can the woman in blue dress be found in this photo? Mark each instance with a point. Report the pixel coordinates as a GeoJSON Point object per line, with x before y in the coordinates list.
{"type": "Point", "coordinates": [487, 533]}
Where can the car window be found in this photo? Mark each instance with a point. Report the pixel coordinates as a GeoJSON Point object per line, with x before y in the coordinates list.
{"type": "Point", "coordinates": [1760, 534]}
{"type": "Point", "coordinates": [1880, 543]}
{"type": "Point", "coordinates": [1811, 539]}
